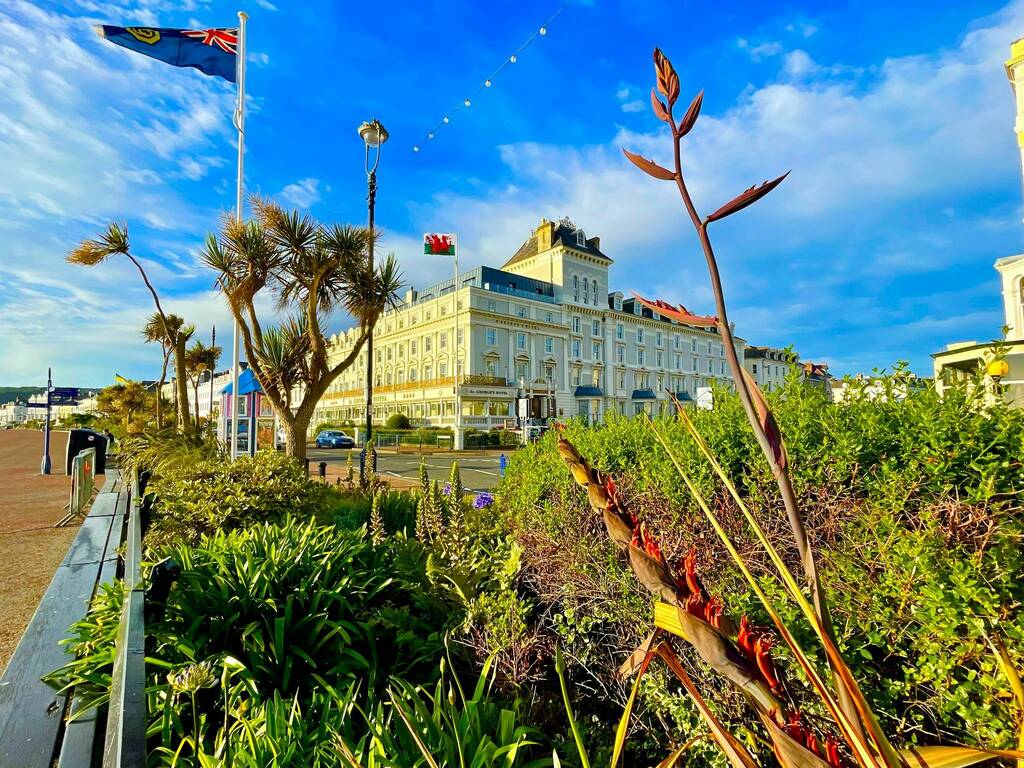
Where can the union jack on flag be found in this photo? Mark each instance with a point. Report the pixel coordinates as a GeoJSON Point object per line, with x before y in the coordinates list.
{"type": "Point", "coordinates": [225, 39]}
{"type": "Point", "coordinates": [211, 51]}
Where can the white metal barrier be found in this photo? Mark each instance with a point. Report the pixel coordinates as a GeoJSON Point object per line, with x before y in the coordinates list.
{"type": "Point", "coordinates": [83, 475]}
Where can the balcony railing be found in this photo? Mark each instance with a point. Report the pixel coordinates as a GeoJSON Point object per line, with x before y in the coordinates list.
{"type": "Point", "coordinates": [443, 381]}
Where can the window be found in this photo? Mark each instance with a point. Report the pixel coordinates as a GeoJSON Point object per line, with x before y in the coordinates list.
{"type": "Point", "coordinates": [575, 377]}
{"type": "Point", "coordinates": [521, 372]}
{"type": "Point", "coordinates": [595, 328]}
{"type": "Point", "coordinates": [460, 337]}
{"type": "Point", "coordinates": [639, 335]}
{"type": "Point", "coordinates": [597, 295]}
{"type": "Point", "coordinates": [693, 347]}
{"type": "Point", "coordinates": [522, 311]}
{"type": "Point", "coordinates": [710, 367]}
{"type": "Point", "coordinates": [595, 377]}
{"type": "Point", "coordinates": [490, 337]}
{"type": "Point", "coordinates": [412, 374]}
{"type": "Point", "coordinates": [243, 406]}
{"type": "Point", "coordinates": [520, 341]}
{"type": "Point", "coordinates": [428, 344]}
{"type": "Point", "coordinates": [659, 359]}
{"type": "Point", "coordinates": [639, 357]}
{"type": "Point", "coordinates": [679, 362]}
{"type": "Point", "coordinates": [586, 291]}
{"type": "Point", "coordinates": [492, 306]}
{"type": "Point", "coordinates": [427, 371]}
{"type": "Point", "coordinates": [657, 339]}
{"type": "Point", "coordinates": [442, 369]}
{"type": "Point", "coordinates": [596, 350]}
{"type": "Point", "coordinates": [581, 239]}
{"type": "Point", "coordinates": [620, 353]}
{"type": "Point", "coordinates": [575, 325]}
{"type": "Point", "coordinates": [576, 348]}
{"type": "Point", "coordinates": [442, 339]}
{"type": "Point", "coordinates": [575, 288]}
{"type": "Point", "coordinates": [620, 332]}
{"type": "Point", "coordinates": [549, 345]}
{"type": "Point", "coordinates": [549, 373]}
{"type": "Point", "coordinates": [412, 347]}
{"type": "Point", "coordinates": [722, 363]}
{"type": "Point", "coordinates": [694, 364]}
{"type": "Point", "coordinates": [675, 341]}
{"type": "Point", "coordinates": [754, 368]}
{"type": "Point", "coordinates": [491, 366]}
{"type": "Point", "coordinates": [621, 383]}
{"type": "Point", "coordinates": [551, 317]}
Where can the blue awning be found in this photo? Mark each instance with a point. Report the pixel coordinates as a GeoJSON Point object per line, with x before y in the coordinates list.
{"type": "Point", "coordinates": [247, 384]}
{"type": "Point", "coordinates": [683, 397]}
{"type": "Point", "coordinates": [644, 394]}
{"type": "Point", "coordinates": [588, 392]}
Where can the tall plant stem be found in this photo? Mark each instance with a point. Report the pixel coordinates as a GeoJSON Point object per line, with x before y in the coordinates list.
{"type": "Point", "coordinates": [782, 478]}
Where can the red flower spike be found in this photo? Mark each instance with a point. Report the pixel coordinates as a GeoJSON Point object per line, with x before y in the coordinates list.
{"type": "Point", "coordinates": [795, 728]}
{"type": "Point", "coordinates": [832, 753]}
{"type": "Point", "coordinates": [812, 743]}
{"type": "Point", "coordinates": [691, 573]}
{"type": "Point", "coordinates": [762, 655]}
{"type": "Point", "coordinates": [695, 605]}
{"type": "Point", "coordinates": [635, 541]}
{"type": "Point", "coordinates": [651, 545]}
{"type": "Point", "coordinates": [745, 638]}
{"type": "Point", "coordinates": [713, 612]}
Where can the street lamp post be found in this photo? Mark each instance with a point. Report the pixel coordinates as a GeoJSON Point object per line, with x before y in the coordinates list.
{"type": "Point", "coordinates": [374, 135]}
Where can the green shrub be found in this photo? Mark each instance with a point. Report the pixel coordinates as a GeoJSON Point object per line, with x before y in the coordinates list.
{"type": "Point", "coordinates": [213, 495]}
{"type": "Point", "coordinates": [911, 506]}
{"type": "Point", "coordinates": [398, 421]}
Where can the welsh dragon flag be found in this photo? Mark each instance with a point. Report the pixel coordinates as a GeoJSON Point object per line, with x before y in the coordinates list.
{"type": "Point", "coordinates": [439, 244]}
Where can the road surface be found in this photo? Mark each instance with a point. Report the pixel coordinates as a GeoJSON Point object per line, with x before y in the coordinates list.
{"type": "Point", "coordinates": [480, 472]}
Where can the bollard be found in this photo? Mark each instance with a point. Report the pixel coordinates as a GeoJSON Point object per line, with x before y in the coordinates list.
{"type": "Point", "coordinates": [502, 463]}
{"type": "Point", "coordinates": [323, 471]}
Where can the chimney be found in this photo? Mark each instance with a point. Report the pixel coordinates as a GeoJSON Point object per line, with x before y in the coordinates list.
{"type": "Point", "coordinates": [544, 234]}
{"type": "Point", "coordinates": [595, 243]}
{"type": "Point", "coordinates": [410, 295]}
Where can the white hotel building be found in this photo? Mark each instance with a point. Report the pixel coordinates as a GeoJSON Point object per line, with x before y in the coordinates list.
{"type": "Point", "coordinates": [544, 326]}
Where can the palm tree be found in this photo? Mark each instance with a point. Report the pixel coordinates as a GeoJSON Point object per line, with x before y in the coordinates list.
{"type": "Point", "coordinates": [199, 359]}
{"type": "Point", "coordinates": [312, 270]}
{"type": "Point", "coordinates": [114, 241]}
{"type": "Point", "coordinates": [153, 333]}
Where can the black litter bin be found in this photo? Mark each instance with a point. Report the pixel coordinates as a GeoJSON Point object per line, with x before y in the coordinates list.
{"type": "Point", "coordinates": [81, 439]}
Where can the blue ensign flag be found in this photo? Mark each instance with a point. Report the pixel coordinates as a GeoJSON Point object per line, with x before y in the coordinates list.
{"type": "Point", "coordinates": [211, 51]}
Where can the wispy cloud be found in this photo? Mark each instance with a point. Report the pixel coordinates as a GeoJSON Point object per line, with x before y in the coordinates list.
{"type": "Point", "coordinates": [304, 193]}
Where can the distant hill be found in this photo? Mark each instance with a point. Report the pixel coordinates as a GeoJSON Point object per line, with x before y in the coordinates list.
{"type": "Point", "coordinates": [10, 394]}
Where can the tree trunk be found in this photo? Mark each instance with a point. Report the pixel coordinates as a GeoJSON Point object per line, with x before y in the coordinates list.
{"type": "Point", "coordinates": [160, 391]}
{"type": "Point", "coordinates": [295, 430]}
{"type": "Point", "coordinates": [195, 389]}
{"type": "Point", "coordinates": [181, 386]}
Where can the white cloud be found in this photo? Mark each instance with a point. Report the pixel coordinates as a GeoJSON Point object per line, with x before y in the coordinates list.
{"type": "Point", "coordinates": [304, 193]}
{"type": "Point", "coordinates": [266, 5]}
{"type": "Point", "coordinates": [259, 59]}
{"type": "Point", "coordinates": [761, 50]}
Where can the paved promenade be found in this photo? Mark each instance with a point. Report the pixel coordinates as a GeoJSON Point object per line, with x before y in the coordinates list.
{"type": "Point", "coordinates": [30, 547]}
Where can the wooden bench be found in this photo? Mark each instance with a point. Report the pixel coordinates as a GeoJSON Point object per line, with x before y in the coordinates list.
{"type": "Point", "coordinates": [33, 731]}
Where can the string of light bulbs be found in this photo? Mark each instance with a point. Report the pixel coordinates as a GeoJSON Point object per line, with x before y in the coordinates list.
{"type": "Point", "coordinates": [489, 81]}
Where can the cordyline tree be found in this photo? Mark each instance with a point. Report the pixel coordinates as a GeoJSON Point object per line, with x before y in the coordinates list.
{"type": "Point", "coordinates": [687, 615]}
{"type": "Point", "coordinates": [115, 241]}
{"type": "Point", "coordinates": [312, 270]}
{"type": "Point", "coordinates": [199, 359]}
{"type": "Point", "coordinates": [166, 332]}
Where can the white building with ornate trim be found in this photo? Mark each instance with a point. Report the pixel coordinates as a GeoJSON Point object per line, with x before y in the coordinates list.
{"type": "Point", "coordinates": [544, 327]}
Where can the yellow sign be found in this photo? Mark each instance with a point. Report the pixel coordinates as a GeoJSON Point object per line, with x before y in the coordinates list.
{"type": "Point", "coordinates": [144, 34]}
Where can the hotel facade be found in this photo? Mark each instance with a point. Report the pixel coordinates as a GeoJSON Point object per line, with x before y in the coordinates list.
{"type": "Point", "coordinates": [544, 330]}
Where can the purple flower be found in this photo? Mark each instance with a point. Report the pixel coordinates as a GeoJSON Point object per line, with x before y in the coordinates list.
{"type": "Point", "coordinates": [483, 500]}
{"type": "Point", "coordinates": [446, 489]}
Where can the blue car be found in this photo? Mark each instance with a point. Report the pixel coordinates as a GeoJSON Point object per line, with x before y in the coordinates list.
{"type": "Point", "coordinates": [330, 438]}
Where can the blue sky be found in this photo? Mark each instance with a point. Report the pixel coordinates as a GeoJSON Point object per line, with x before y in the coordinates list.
{"type": "Point", "coordinates": [897, 123]}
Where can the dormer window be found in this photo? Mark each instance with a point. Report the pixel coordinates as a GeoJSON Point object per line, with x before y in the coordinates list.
{"type": "Point", "coordinates": [581, 239]}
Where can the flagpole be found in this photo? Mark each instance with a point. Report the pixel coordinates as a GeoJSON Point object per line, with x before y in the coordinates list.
{"type": "Point", "coordinates": [240, 125]}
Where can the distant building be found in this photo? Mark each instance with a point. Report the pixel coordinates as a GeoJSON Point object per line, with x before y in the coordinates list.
{"type": "Point", "coordinates": [962, 361]}
{"type": "Point", "coordinates": [769, 366]}
{"type": "Point", "coordinates": [544, 327]}
{"type": "Point", "coordinates": [13, 414]}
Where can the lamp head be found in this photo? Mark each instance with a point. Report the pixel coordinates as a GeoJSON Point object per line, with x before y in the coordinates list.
{"type": "Point", "coordinates": [373, 133]}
